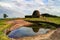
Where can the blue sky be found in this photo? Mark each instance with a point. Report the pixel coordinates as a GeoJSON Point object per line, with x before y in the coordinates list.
{"type": "Point", "coordinates": [20, 8]}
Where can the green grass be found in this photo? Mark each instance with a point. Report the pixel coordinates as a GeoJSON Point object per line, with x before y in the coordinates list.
{"type": "Point", "coordinates": [4, 37]}
{"type": "Point", "coordinates": [55, 20]}
{"type": "Point", "coordinates": [3, 26]}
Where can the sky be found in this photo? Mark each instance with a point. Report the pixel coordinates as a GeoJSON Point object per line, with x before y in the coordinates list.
{"type": "Point", "coordinates": [20, 8]}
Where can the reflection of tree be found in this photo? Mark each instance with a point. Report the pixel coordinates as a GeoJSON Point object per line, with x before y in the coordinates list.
{"type": "Point", "coordinates": [35, 29]}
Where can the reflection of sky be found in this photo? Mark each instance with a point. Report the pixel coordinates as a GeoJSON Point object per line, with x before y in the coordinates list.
{"type": "Point", "coordinates": [19, 8]}
{"type": "Point", "coordinates": [26, 31]}
{"type": "Point", "coordinates": [22, 32]}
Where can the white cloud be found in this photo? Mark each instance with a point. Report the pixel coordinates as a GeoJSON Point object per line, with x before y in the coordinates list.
{"type": "Point", "coordinates": [5, 5]}
{"type": "Point", "coordinates": [54, 7]}
{"type": "Point", "coordinates": [28, 6]}
{"type": "Point", "coordinates": [54, 2]}
{"type": "Point", "coordinates": [39, 2]}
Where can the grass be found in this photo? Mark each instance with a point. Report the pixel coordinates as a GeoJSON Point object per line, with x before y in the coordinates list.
{"type": "Point", "coordinates": [4, 26]}
{"type": "Point", "coordinates": [55, 20]}
{"type": "Point", "coordinates": [3, 37]}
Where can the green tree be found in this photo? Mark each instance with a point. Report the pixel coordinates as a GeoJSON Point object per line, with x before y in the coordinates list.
{"type": "Point", "coordinates": [5, 15]}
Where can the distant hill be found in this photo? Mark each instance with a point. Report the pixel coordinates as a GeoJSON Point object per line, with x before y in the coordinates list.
{"type": "Point", "coordinates": [48, 15]}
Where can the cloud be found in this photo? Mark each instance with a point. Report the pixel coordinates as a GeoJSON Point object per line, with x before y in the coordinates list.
{"type": "Point", "coordinates": [54, 2]}
{"type": "Point", "coordinates": [54, 7]}
{"type": "Point", "coordinates": [10, 13]}
{"type": "Point", "coordinates": [26, 7]}
{"type": "Point", "coordinates": [7, 5]}
{"type": "Point", "coordinates": [21, 5]}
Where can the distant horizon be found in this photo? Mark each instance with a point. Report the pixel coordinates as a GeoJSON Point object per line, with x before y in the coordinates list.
{"type": "Point", "coordinates": [28, 15]}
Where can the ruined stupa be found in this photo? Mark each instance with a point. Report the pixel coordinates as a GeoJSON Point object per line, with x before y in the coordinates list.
{"type": "Point", "coordinates": [36, 14]}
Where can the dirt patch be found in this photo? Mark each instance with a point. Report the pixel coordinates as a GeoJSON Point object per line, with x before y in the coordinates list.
{"type": "Point", "coordinates": [16, 24]}
{"type": "Point", "coordinates": [55, 35]}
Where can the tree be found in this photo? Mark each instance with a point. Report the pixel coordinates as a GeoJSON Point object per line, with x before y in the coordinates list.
{"type": "Point", "coordinates": [5, 15]}
{"type": "Point", "coordinates": [48, 15]}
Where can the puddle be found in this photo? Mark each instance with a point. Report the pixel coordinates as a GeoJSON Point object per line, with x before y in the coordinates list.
{"type": "Point", "coordinates": [26, 31]}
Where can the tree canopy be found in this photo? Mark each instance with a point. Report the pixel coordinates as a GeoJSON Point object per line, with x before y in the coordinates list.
{"type": "Point", "coordinates": [5, 15]}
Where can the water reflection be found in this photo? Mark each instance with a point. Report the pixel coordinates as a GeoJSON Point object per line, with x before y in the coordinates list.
{"type": "Point", "coordinates": [25, 31]}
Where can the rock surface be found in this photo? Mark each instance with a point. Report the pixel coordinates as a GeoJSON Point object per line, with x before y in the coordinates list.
{"type": "Point", "coordinates": [55, 35]}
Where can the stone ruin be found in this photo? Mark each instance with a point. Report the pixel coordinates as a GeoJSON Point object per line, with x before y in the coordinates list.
{"type": "Point", "coordinates": [36, 14]}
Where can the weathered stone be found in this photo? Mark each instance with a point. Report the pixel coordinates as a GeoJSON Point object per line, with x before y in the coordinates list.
{"type": "Point", "coordinates": [36, 14]}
